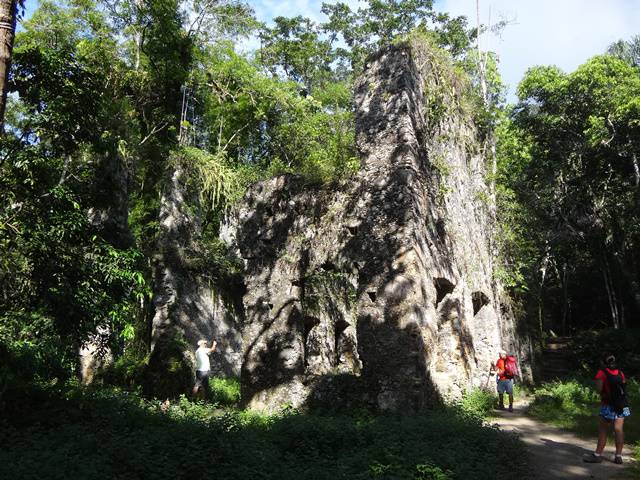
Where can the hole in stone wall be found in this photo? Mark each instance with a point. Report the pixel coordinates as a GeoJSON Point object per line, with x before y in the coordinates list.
{"type": "Point", "coordinates": [479, 300]}
{"type": "Point", "coordinates": [329, 267]}
{"type": "Point", "coordinates": [440, 228]}
{"type": "Point", "coordinates": [309, 323]}
{"type": "Point", "coordinates": [373, 296]}
{"type": "Point", "coordinates": [352, 230]}
{"type": "Point", "coordinates": [296, 283]}
{"type": "Point", "coordinates": [340, 327]}
{"type": "Point", "coordinates": [270, 306]}
{"type": "Point", "coordinates": [443, 288]}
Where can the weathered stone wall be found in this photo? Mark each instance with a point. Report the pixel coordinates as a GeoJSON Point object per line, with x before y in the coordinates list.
{"type": "Point", "coordinates": [187, 305]}
{"type": "Point", "coordinates": [380, 291]}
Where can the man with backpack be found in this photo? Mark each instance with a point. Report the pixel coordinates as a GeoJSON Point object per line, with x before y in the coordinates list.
{"type": "Point", "coordinates": [507, 369]}
{"type": "Point", "coordinates": [611, 385]}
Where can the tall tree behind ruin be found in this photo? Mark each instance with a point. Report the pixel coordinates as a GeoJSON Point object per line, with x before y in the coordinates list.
{"type": "Point", "coordinates": [8, 9]}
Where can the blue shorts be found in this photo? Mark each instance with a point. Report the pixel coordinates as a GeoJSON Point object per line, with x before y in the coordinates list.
{"type": "Point", "coordinates": [608, 413]}
{"type": "Point", "coordinates": [505, 386]}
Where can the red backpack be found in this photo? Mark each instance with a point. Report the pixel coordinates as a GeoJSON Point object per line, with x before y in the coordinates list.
{"type": "Point", "coordinates": [510, 367]}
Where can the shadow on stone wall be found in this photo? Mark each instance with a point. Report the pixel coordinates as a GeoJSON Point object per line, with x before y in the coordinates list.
{"type": "Point", "coordinates": [386, 230]}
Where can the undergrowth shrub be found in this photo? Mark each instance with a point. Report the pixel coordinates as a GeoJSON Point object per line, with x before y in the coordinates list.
{"type": "Point", "coordinates": [22, 361]}
{"type": "Point", "coordinates": [432, 472]}
{"type": "Point", "coordinates": [109, 433]}
{"type": "Point", "coordinates": [126, 371]}
{"type": "Point", "coordinates": [225, 391]}
{"type": "Point", "coordinates": [477, 402]}
{"type": "Point", "coordinates": [564, 402]}
{"type": "Point", "coordinates": [169, 372]}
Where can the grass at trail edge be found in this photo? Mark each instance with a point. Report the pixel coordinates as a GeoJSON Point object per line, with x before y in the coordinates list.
{"type": "Point", "coordinates": [75, 433]}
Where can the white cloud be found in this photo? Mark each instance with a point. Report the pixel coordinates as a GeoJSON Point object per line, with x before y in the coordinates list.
{"type": "Point", "coordinates": [551, 32]}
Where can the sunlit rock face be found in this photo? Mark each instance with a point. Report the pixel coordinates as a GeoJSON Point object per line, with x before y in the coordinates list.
{"type": "Point", "coordinates": [380, 291]}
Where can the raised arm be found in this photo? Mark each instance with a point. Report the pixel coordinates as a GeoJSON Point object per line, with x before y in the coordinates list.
{"type": "Point", "coordinates": [213, 346]}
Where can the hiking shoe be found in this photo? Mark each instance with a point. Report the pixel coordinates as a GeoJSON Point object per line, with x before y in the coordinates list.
{"type": "Point", "coordinates": [511, 408]}
{"type": "Point", "coordinates": [618, 459]}
{"type": "Point", "coordinates": [500, 407]}
{"type": "Point", "coordinates": [592, 458]}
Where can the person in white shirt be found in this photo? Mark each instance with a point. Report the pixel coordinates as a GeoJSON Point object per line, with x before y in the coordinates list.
{"type": "Point", "coordinates": [203, 367]}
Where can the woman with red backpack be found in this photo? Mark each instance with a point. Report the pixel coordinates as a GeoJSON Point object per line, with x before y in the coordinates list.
{"type": "Point", "coordinates": [611, 385]}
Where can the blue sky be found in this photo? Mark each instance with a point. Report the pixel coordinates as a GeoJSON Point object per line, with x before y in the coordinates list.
{"type": "Point", "coordinates": [542, 32]}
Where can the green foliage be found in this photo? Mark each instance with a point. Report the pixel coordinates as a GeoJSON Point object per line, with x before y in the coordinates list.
{"type": "Point", "coordinates": [22, 361]}
{"type": "Point", "coordinates": [516, 232]}
{"type": "Point", "coordinates": [328, 290]}
{"type": "Point", "coordinates": [629, 51]}
{"type": "Point", "coordinates": [225, 391]}
{"type": "Point", "coordinates": [218, 183]}
{"type": "Point", "coordinates": [169, 371]}
{"type": "Point", "coordinates": [447, 87]}
{"type": "Point", "coordinates": [432, 472]}
{"type": "Point", "coordinates": [258, 120]}
{"type": "Point", "coordinates": [569, 198]}
{"type": "Point", "coordinates": [377, 23]}
{"type": "Point", "coordinates": [566, 404]}
{"type": "Point", "coordinates": [109, 433]}
{"type": "Point", "coordinates": [477, 403]}
{"type": "Point", "coordinates": [126, 371]}
{"type": "Point", "coordinates": [296, 45]}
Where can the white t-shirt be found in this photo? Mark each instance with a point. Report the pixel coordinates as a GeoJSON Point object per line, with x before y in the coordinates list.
{"type": "Point", "coordinates": [202, 359]}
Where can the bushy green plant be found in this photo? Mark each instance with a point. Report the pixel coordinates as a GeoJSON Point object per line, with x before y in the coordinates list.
{"type": "Point", "coordinates": [564, 402]}
{"type": "Point", "coordinates": [109, 433]}
{"type": "Point", "coordinates": [225, 391]}
{"type": "Point", "coordinates": [477, 402]}
{"type": "Point", "coordinates": [431, 472]}
{"type": "Point", "coordinates": [127, 370]}
{"type": "Point", "coordinates": [169, 372]}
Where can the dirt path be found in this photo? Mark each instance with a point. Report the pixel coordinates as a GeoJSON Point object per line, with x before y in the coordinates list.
{"type": "Point", "coordinates": [557, 454]}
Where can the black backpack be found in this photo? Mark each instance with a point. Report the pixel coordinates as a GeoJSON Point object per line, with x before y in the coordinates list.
{"type": "Point", "coordinates": [617, 392]}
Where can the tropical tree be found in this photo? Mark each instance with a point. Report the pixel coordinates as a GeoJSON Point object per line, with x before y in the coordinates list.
{"type": "Point", "coordinates": [577, 177]}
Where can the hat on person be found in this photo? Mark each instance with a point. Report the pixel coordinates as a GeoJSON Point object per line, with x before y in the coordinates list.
{"type": "Point", "coordinates": [503, 352]}
{"type": "Point", "coordinates": [202, 343]}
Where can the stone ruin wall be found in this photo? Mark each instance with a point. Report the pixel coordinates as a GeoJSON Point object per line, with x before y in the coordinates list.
{"type": "Point", "coordinates": [380, 292]}
{"type": "Point", "coordinates": [188, 305]}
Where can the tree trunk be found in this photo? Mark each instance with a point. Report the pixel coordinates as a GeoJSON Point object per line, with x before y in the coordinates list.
{"type": "Point", "coordinates": [7, 33]}
{"type": "Point", "coordinates": [611, 293]}
{"type": "Point", "coordinates": [565, 298]}
{"type": "Point", "coordinates": [543, 276]}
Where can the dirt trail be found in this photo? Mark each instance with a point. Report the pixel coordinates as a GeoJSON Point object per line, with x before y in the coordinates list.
{"type": "Point", "coordinates": [557, 454]}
